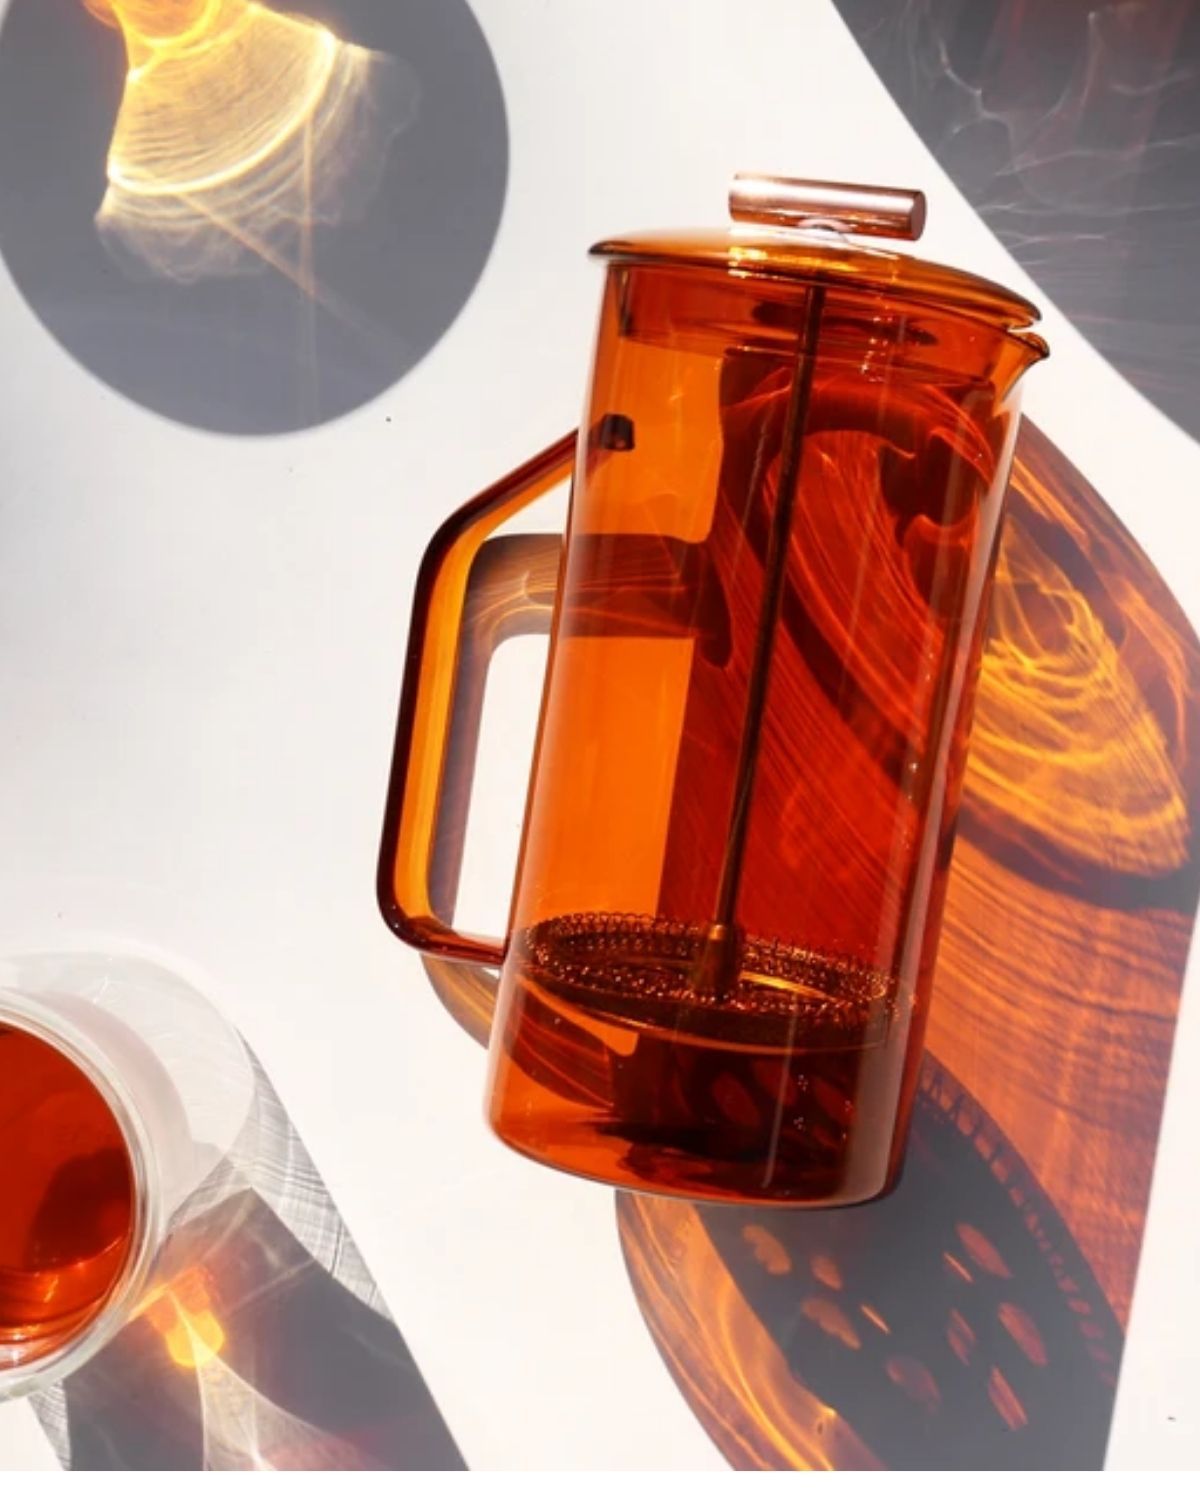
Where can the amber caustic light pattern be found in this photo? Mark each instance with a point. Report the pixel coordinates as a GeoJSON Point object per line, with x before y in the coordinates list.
{"type": "Point", "coordinates": [241, 130]}
{"type": "Point", "coordinates": [243, 1428]}
{"type": "Point", "coordinates": [1066, 737]}
{"type": "Point", "coordinates": [182, 1313]}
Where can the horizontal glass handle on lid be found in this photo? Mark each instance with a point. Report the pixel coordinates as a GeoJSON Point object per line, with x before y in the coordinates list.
{"type": "Point", "coordinates": [849, 207]}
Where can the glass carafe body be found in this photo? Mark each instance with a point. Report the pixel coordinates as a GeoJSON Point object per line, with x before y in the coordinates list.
{"type": "Point", "coordinates": [768, 631]}
{"type": "Point", "coordinates": [766, 621]}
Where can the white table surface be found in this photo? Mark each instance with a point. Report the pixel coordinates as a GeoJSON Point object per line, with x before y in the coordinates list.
{"type": "Point", "coordinates": [200, 647]}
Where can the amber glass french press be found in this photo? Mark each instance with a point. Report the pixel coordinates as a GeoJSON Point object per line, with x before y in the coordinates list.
{"type": "Point", "coordinates": [767, 623]}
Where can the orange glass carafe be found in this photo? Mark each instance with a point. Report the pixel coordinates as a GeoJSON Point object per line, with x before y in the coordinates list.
{"type": "Point", "coordinates": [766, 632]}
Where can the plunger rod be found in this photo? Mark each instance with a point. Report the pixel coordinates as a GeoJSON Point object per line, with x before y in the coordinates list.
{"type": "Point", "coordinates": [716, 966]}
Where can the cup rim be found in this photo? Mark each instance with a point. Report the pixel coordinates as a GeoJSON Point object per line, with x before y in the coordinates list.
{"type": "Point", "coordinates": [36, 1018]}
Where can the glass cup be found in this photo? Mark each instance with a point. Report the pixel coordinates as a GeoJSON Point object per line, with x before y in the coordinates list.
{"type": "Point", "coordinates": [121, 1090]}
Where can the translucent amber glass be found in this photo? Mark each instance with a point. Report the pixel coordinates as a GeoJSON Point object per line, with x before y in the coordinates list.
{"type": "Point", "coordinates": [676, 1013]}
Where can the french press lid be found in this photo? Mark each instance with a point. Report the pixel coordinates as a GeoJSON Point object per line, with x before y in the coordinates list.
{"type": "Point", "coordinates": [791, 229]}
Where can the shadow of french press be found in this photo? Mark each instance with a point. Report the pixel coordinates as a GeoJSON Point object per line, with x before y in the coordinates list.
{"type": "Point", "coordinates": [954, 1324]}
{"type": "Point", "coordinates": [974, 1317]}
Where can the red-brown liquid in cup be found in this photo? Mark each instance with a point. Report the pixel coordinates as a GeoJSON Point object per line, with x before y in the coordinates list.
{"type": "Point", "coordinates": [66, 1198]}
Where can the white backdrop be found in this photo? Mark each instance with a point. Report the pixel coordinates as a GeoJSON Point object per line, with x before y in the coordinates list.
{"type": "Point", "coordinates": [200, 647]}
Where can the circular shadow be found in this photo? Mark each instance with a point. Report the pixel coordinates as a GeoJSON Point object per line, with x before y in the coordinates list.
{"type": "Point", "coordinates": [256, 352]}
{"type": "Point", "coordinates": [1073, 129]}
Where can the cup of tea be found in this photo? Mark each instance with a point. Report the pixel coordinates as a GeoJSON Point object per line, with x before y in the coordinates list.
{"type": "Point", "coordinates": [121, 1090]}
